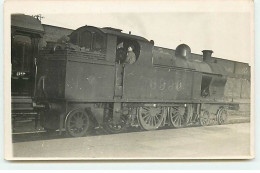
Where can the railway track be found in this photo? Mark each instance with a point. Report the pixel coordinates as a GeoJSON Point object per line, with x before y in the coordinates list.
{"type": "Point", "coordinates": [28, 133]}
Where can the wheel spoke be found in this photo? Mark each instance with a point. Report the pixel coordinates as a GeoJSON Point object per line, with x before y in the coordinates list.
{"type": "Point", "coordinates": [176, 109]}
{"type": "Point", "coordinates": [72, 123]}
{"type": "Point", "coordinates": [147, 120]}
{"type": "Point", "coordinates": [152, 122]}
{"type": "Point", "coordinates": [146, 115]}
{"type": "Point", "coordinates": [146, 108]}
{"type": "Point", "coordinates": [176, 118]}
{"type": "Point", "coordinates": [157, 119]}
{"type": "Point", "coordinates": [179, 122]}
{"type": "Point", "coordinates": [73, 120]}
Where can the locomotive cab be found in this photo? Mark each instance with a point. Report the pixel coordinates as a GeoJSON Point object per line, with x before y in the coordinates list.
{"type": "Point", "coordinates": [88, 68]}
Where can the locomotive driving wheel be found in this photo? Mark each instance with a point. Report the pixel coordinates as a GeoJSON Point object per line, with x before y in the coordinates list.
{"type": "Point", "coordinates": [177, 116]}
{"type": "Point", "coordinates": [204, 118]}
{"type": "Point", "coordinates": [77, 123]}
{"type": "Point", "coordinates": [150, 118]}
{"type": "Point", "coordinates": [222, 116]}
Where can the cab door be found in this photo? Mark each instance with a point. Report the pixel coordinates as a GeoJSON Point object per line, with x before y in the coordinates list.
{"type": "Point", "coordinates": [24, 50]}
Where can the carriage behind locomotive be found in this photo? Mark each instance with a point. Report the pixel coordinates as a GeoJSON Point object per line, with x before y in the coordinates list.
{"type": "Point", "coordinates": [82, 82]}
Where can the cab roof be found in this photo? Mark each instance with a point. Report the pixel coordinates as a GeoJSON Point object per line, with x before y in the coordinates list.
{"type": "Point", "coordinates": [26, 23]}
{"type": "Point", "coordinates": [113, 31]}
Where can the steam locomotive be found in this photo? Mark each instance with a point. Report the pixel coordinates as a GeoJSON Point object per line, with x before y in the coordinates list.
{"type": "Point", "coordinates": [84, 81]}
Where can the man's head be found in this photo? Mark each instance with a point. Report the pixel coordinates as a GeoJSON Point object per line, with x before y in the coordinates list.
{"type": "Point", "coordinates": [130, 48]}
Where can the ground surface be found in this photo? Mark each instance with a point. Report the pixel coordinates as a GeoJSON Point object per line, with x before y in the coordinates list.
{"type": "Point", "coordinates": [220, 141]}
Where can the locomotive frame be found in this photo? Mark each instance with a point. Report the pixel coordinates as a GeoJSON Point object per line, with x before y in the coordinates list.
{"type": "Point", "coordinates": [81, 84]}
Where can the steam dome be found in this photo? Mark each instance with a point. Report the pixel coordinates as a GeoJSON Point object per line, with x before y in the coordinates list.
{"type": "Point", "coordinates": [183, 51]}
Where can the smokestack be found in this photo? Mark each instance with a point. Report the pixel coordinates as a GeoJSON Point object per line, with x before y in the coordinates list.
{"type": "Point", "coordinates": [207, 55]}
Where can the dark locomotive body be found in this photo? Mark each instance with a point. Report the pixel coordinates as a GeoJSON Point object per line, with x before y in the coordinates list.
{"type": "Point", "coordinates": [84, 82]}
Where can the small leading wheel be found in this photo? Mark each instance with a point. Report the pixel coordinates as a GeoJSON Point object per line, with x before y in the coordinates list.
{"type": "Point", "coordinates": [77, 123]}
{"type": "Point", "coordinates": [177, 116]}
{"type": "Point", "coordinates": [204, 118]}
{"type": "Point", "coordinates": [222, 116]}
{"type": "Point", "coordinates": [150, 118]}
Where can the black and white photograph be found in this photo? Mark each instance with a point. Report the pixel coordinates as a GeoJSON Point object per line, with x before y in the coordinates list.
{"type": "Point", "coordinates": [112, 80]}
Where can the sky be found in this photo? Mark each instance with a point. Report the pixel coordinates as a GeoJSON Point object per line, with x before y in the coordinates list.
{"type": "Point", "coordinates": [228, 34]}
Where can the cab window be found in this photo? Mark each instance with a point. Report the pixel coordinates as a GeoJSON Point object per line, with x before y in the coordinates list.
{"type": "Point", "coordinates": [127, 51]}
{"type": "Point", "coordinates": [98, 42]}
{"type": "Point", "coordinates": [74, 38]}
{"type": "Point", "coordinates": [21, 53]}
{"type": "Point", "coordinates": [85, 40]}
{"type": "Point", "coordinates": [89, 40]}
